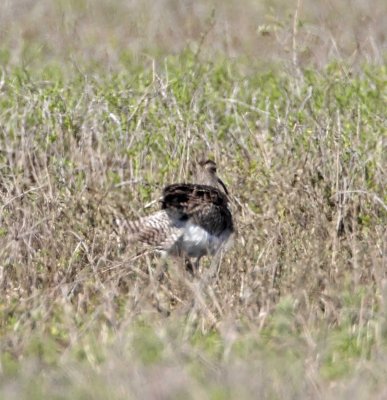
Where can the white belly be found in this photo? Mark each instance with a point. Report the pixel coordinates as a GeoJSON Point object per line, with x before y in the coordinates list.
{"type": "Point", "coordinates": [197, 242]}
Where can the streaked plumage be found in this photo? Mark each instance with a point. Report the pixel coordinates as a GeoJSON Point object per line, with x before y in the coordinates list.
{"type": "Point", "coordinates": [194, 219]}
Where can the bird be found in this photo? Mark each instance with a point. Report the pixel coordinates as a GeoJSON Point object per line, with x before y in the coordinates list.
{"type": "Point", "coordinates": [194, 219]}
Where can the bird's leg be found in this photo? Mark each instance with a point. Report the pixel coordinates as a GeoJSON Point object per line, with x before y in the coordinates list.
{"type": "Point", "coordinates": [197, 263]}
{"type": "Point", "coordinates": [189, 267]}
{"type": "Point", "coordinates": [192, 268]}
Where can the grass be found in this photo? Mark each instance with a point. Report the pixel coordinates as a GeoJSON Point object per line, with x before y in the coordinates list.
{"type": "Point", "coordinates": [297, 308]}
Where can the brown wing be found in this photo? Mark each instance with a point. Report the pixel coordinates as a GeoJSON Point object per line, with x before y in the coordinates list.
{"type": "Point", "coordinates": [205, 205]}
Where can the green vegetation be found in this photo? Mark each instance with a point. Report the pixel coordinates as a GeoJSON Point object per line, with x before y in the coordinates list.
{"type": "Point", "coordinates": [298, 305]}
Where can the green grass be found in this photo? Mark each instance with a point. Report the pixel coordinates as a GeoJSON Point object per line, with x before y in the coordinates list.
{"type": "Point", "coordinates": [298, 306]}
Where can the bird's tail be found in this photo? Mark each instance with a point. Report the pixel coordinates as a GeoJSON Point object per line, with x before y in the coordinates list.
{"type": "Point", "coordinates": [153, 229]}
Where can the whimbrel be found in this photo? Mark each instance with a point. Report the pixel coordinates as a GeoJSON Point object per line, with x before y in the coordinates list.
{"type": "Point", "coordinates": [194, 219]}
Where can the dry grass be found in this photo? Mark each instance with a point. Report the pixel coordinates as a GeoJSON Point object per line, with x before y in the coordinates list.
{"type": "Point", "coordinates": [79, 32]}
{"type": "Point", "coordinates": [297, 307]}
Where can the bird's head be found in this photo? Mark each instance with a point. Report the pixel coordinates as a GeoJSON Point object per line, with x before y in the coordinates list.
{"type": "Point", "coordinates": [207, 175]}
{"type": "Point", "coordinates": [208, 165]}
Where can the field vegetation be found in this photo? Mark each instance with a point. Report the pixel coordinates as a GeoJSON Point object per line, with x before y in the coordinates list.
{"type": "Point", "coordinates": [104, 102]}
